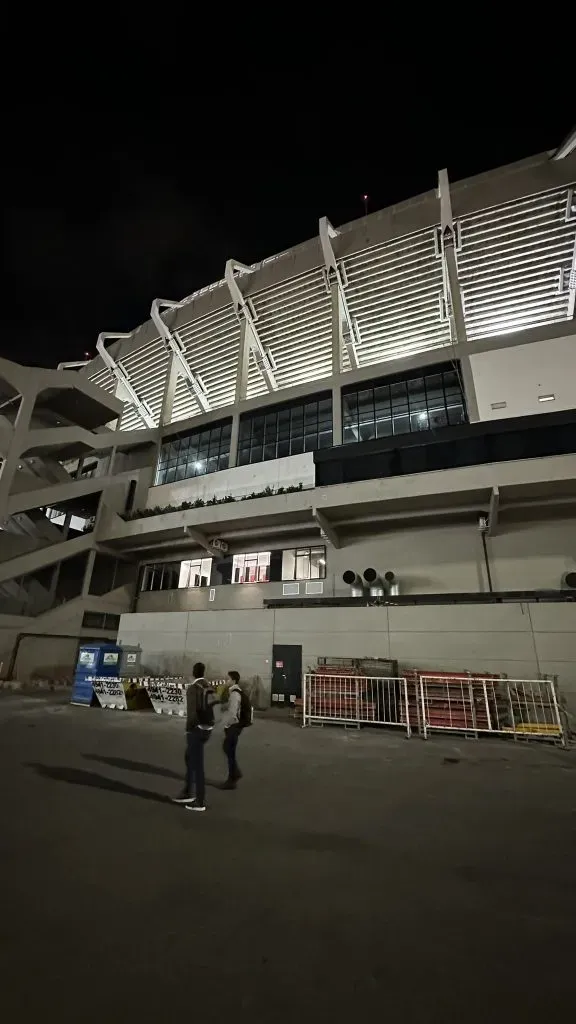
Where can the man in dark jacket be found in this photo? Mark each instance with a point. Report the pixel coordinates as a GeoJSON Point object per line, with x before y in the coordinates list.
{"type": "Point", "coordinates": [199, 724]}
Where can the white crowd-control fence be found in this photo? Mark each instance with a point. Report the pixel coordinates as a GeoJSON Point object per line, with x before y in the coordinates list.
{"type": "Point", "coordinates": [516, 707]}
{"type": "Point", "coordinates": [356, 700]}
{"type": "Point", "coordinates": [474, 705]}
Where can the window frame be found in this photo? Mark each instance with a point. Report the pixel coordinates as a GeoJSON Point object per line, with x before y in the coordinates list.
{"type": "Point", "coordinates": [427, 400]}
{"type": "Point", "coordinates": [302, 552]}
{"type": "Point", "coordinates": [244, 562]}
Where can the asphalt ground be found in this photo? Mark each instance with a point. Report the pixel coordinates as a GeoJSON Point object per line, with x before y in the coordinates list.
{"type": "Point", "coordinates": [350, 874]}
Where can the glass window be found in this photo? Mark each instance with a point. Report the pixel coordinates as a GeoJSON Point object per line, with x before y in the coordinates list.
{"type": "Point", "coordinates": [195, 573]}
{"type": "Point", "coordinates": [304, 563]}
{"type": "Point", "coordinates": [416, 403]}
{"type": "Point", "coordinates": [202, 451]}
{"type": "Point", "coordinates": [290, 430]}
{"type": "Point", "coordinates": [253, 567]}
{"type": "Point", "coordinates": [175, 575]}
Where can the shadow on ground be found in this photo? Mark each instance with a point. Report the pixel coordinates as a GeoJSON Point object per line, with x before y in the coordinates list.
{"type": "Point", "coordinates": [79, 777]}
{"type": "Point", "coordinates": [126, 764]}
{"type": "Point", "coordinates": [135, 766]}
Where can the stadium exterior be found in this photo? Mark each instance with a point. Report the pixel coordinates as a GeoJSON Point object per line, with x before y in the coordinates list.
{"type": "Point", "coordinates": [396, 394]}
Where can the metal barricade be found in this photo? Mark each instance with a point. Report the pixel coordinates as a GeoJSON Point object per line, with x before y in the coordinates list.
{"type": "Point", "coordinates": [490, 704]}
{"type": "Point", "coordinates": [356, 700]}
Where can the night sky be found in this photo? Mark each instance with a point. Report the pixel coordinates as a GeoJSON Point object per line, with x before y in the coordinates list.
{"type": "Point", "coordinates": [111, 204]}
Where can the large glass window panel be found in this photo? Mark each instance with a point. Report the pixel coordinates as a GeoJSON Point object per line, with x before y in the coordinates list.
{"type": "Point", "coordinates": [304, 563]}
{"type": "Point", "coordinates": [202, 451]}
{"type": "Point", "coordinates": [435, 400]}
{"type": "Point", "coordinates": [195, 573]}
{"type": "Point", "coordinates": [417, 404]}
{"type": "Point", "coordinates": [253, 567]}
{"type": "Point", "coordinates": [317, 563]}
{"type": "Point", "coordinates": [399, 401]}
{"type": "Point", "coordinates": [278, 433]}
{"type": "Point", "coordinates": [288, 564]}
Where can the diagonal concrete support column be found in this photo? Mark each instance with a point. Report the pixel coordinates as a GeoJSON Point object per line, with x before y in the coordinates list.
{"type": "Point", "coordinates": [16, 446]}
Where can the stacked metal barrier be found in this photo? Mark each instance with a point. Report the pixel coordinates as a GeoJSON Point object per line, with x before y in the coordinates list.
{"type": "Point", "coordinates": [427, 702]}
{"type": "Point", "coordinates": [354, 699]}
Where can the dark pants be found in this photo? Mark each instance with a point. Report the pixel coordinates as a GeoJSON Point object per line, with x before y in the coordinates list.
{"type": "Point", "coordinates": [231, 737]}
{"type": "Point", "coordinates": [195, 742]}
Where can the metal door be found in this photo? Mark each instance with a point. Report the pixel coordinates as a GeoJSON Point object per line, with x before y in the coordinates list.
{"type": "Point", "coordinates": [286, 673]}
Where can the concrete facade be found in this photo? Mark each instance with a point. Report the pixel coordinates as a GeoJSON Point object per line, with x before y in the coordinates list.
{"type": "Point", "coordinates": [522, 640]}
{"type": "Point", "coordinates": [472, 276]}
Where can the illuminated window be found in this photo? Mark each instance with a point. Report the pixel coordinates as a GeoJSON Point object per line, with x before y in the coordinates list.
{"type": "Point", "coordinates": [176, 575]}
{"type": "Point", "coordinates": [304, 564]}
{"type": "Point", "coordinates": [253, 567]}
{"type": "Point", "coordinates": [285, 430]}
{"type": "Point", "coordinates": [403, 406]}
{"type": "Point", "coordinates": [199, 452]}
{"type": "Point", "coordinates": [195, 573]}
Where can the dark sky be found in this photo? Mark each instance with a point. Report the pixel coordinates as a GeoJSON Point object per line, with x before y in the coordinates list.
{"type": "Point", "coordinates": [115, 200]}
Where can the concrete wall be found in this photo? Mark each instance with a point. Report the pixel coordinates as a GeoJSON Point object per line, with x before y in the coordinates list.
{"type": "Point", "coordinates": [291, 471]}
{"type": "Point", "coordinates": [518, 375]}
{"type": "Point", "coordinates": [427, 560]}
{"type": "Point", "coordinates": [521, 640]}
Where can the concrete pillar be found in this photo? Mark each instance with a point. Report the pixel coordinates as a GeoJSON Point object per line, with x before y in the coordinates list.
{"type": "Point", "coordinates": [458, 320]}
{"type": "Point", "coordinates": [88, 572]}
{"type": "Point", "coordinates": [15, 448]}
{"type": "Point", "coordinates": [469, 389]}
{"type": "Point", "coordinates": [169, 391]}
{"type": "Point", "coordinates": [243, 362]}
{"type": "Point", "coordinates": [234, 440]}
{"type": "Point", "coordinates": [337, 319]}
{"type": "Point", "coordinates": [56, 570]}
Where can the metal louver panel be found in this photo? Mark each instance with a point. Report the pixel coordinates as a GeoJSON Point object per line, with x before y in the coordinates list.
{"type": "Point", "coordinates": [294, 321]}
{"type": "Point", "coordinates": [394, 293]}
{"type": "Point", "coordinates": [510, 261]}
{"type": "Point", "coordinates": [211, 346]}
{"type": "Point", "coordinates": [104, 379]}
{"type": "Point", "coordinates": [146, 367]}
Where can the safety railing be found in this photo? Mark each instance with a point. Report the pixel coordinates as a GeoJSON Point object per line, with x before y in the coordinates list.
{"type": "Point", "coordinates": [523, 708]}
{"type": "Point", "coordinates": [356, 700]}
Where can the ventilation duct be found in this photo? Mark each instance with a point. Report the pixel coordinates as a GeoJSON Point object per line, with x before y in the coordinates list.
{"type": "Point", "coordinates": [569, 581]}
{"type": "Point", "coordinates": [354, 581]}
{"type": "Point", "coordinates": [375, 582]}
{"type": "Point", "coordinates": [392, 583]}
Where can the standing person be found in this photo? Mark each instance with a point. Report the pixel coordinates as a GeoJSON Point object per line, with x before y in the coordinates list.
{"type": "Point", "coordinates": [199, 725]}
{"type": "Point", "coordinates": [237, 716]}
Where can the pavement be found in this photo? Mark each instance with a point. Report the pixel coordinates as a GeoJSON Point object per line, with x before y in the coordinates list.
{"type": "Point", "coordinates": [351, 873]}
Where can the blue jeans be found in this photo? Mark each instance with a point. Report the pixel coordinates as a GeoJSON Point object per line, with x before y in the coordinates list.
{"type": "Point", "coordinates": [195, 742]}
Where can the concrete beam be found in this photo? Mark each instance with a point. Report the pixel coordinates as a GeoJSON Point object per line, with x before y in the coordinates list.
{"type": "Point", "coordinates": [327, 530]}
{"type": "Point", "coordinates": [493, 511]}
{"type": "Point", "coordinates": [202, 541]}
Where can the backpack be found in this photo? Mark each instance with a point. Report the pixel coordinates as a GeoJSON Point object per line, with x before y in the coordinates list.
{"type": "Point", "coordinates": [246, 713]}
{"type": "Point", "coordinates": [205, 699]}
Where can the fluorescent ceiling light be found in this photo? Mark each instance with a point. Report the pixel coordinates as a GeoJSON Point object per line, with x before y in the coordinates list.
{"type": "Point", "coordinates": [546, 398]}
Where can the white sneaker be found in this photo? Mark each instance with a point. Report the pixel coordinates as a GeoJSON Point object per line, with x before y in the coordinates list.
{"type": "Point", "coordinates": [195, 807]}
{"type": "Point", "coordinates": [183, 799]}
